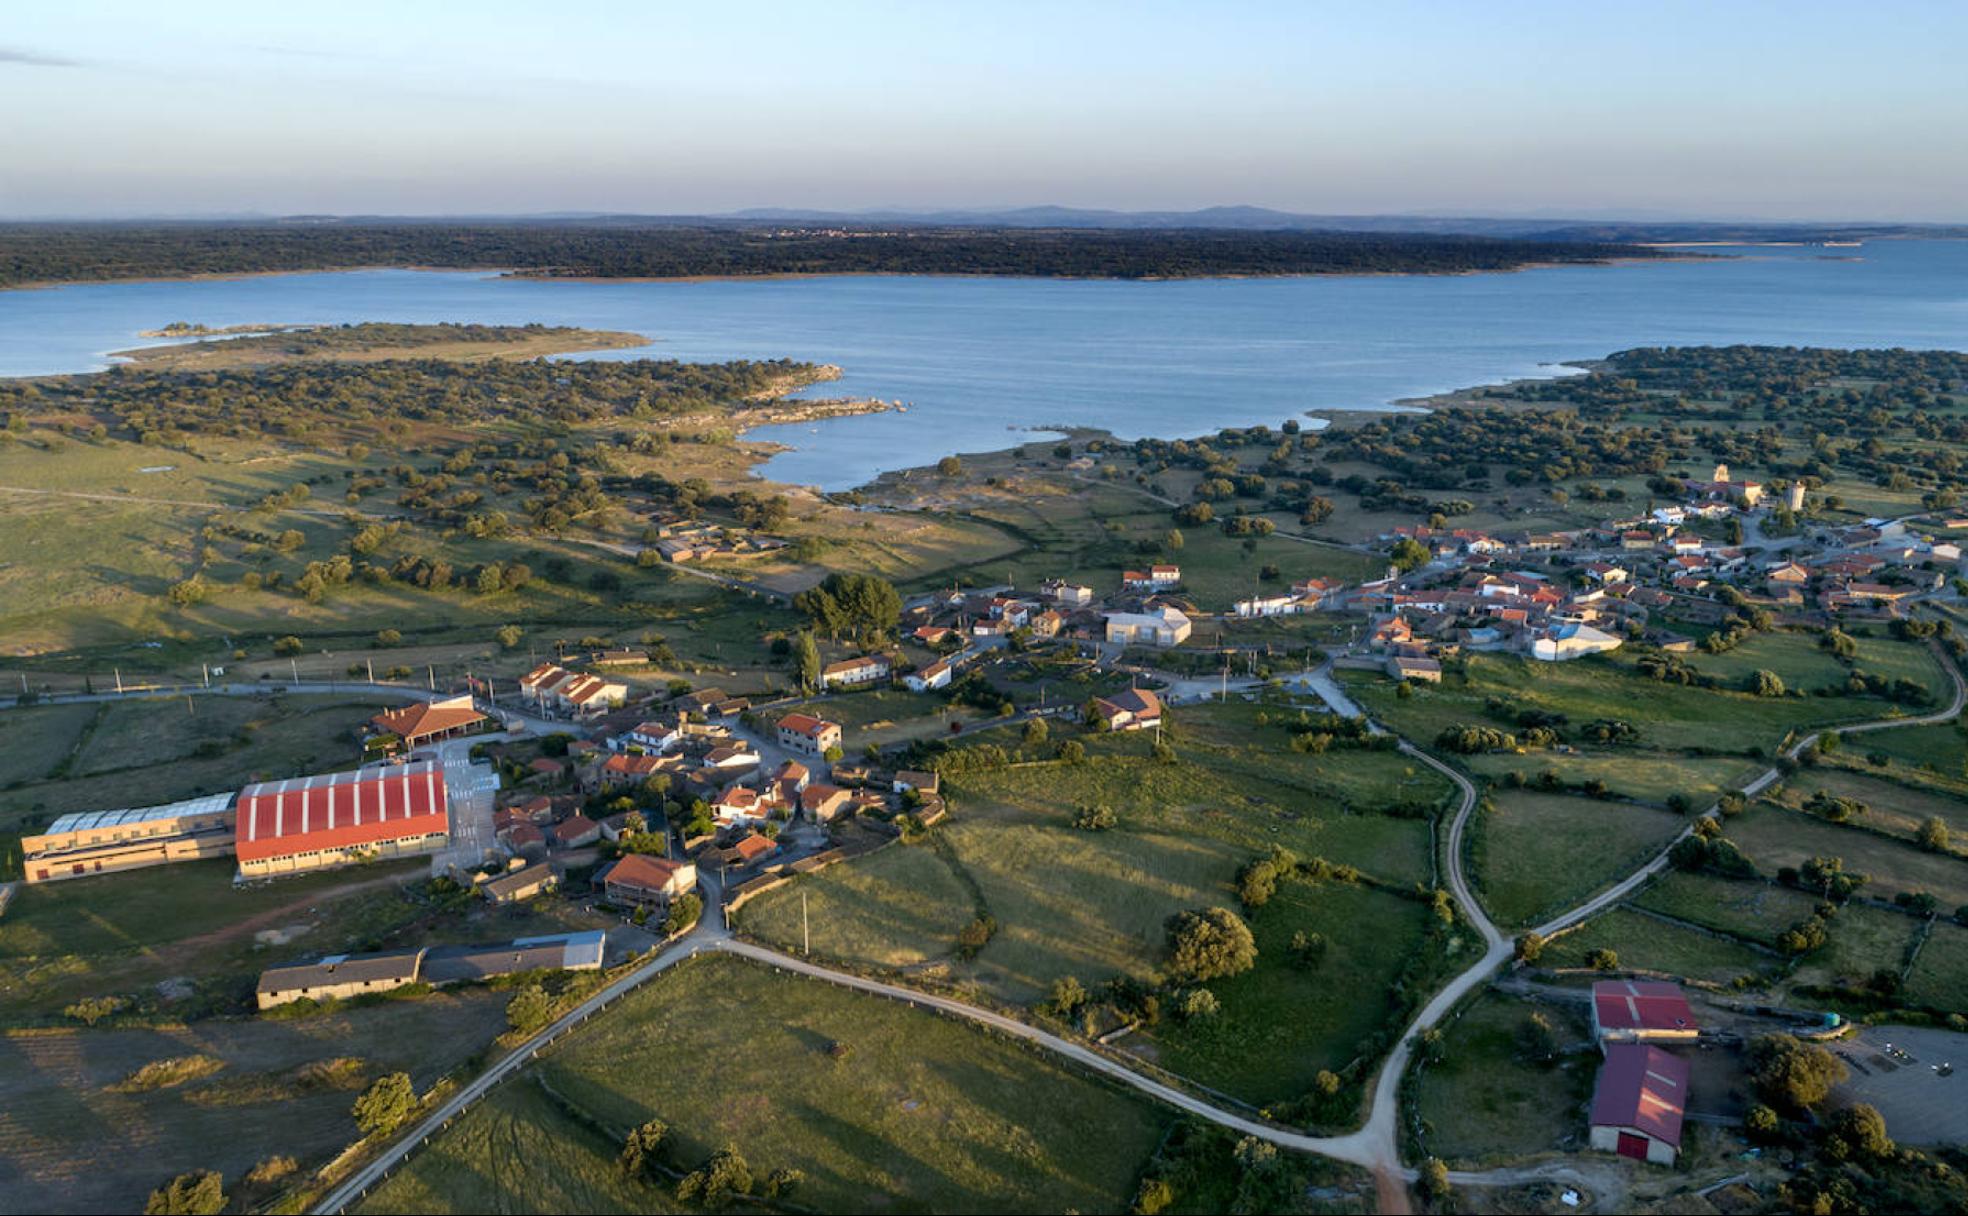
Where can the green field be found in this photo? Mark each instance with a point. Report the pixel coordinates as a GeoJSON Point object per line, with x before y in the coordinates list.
{"type": "Point", "coordinates": [1093, 532]}
{"type": "Point", "coordinates": [1535, 855]}
{"type": "Point", "coordinates": [1755, 911]}
{"type": "Point", "coordinates": [1486, 1101]}
{"type": "Point", "coordinates": [1937, 753]}
{"type": "Point", "coordinates": [1669, 716]}
{"type": "Point", "coordinates": [1773, 837]}
{"type": "Point", "coordinates": [883, 1107]}
{"type": "Point", "coordinates": [1647, 944]}
{"type": "Point", "coordinates": [1092, 905]}
{"type": "Point", "coordinates": [1281, 1023]}
{"type": "Point", "coordinates": [1892, 806]}
{"type": "Point", "coordinates": [1940, 975]}
{"type": "Point", "coordinates": [141, 752]}
{"type": "Point", "coordinates": [1643, 775]}
{"type": "Point", "coordinates": [71, 1141]}
{"type": "Point", "coordinates": [897, 907]}
{"type": "Point", "coordinates": [1863, 940]}
{"type": "Point", "coordinates": [1798, 661]}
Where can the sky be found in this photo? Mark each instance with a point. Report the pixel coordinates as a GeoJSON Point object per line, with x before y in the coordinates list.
{"type": "Point", "coordinates": [1737, 110]}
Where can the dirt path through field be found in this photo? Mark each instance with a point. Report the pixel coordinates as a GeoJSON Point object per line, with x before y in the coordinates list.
{"type": "Point", "coordinates": [272, 918]}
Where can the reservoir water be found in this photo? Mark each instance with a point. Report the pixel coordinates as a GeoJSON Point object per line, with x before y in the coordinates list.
{"type": "Point", "coordinates": [983, 362]}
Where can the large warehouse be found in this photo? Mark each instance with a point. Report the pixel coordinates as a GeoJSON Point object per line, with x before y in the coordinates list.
{"type": "Point", "coordinates": [103, 842]}
{"type": "Point", "coordinates": [312, 823]}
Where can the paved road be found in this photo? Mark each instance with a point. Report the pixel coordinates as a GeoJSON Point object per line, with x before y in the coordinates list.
{"type": "Point", "coordinates": [1626, 886]}
{"type": "Point", "coordinates": [1375, 1147]}
{"type": "Point", "coordinates": [510, 717]}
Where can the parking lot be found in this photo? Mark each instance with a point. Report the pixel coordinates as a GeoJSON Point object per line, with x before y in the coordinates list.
{"type": "Point", "coordinates": [1914, 1076]}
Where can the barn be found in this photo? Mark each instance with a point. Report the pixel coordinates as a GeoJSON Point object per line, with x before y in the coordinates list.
{"type": "Point", "coordinates": [1642, 1011]}
{"type": "Point", "coordinates": [335, 819]}
{"type": "Point", "coordinates": [1639, 1102]}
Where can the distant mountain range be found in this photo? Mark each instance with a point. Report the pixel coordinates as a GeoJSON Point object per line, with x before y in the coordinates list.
{"type": "Point", "coordinates": [1233, 218]}
{"type": "Point", "coordinates": [1614, 229]}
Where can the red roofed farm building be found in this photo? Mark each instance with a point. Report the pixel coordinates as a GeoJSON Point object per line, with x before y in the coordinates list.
{"type": "Point", "coordinates": [1639, 1102]}
{"type": "Point", "coordinates": [335, 819]}
{"type": "Point", "coordinates": [1642, 1011]}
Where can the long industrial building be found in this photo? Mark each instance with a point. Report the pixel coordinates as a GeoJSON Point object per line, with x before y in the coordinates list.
{"type": "Point", "coordinates": [312, 823]}
{"type": "Point", "coordinates": [104, 842]}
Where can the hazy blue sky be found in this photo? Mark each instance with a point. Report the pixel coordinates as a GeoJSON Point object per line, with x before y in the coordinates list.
{"type": "Point", "coordinates": [1577, 108]}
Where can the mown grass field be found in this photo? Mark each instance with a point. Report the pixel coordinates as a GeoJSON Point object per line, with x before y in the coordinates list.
{"type": "Point", "coordinates": [883, 1107]}
{"type": "Point", "coordinates": [71, 1140]}
{"type": "Point", "coordinates": [1774, 837]}
{"type": "Point", "coordinates": [1669, 716]}
{"type": "Point", "coordinates": [1535, 854]}
{"type": "Point", "coordinates": [1486, 1101]}
{"type": "Point", "coordinates": [895, 908]}
{"type": "Point", "coordinates": [141, 752]}
{"type": "Point", "coordinates": [1648, 944]}
{"type": "Point", "coordinates": [1754, 910]}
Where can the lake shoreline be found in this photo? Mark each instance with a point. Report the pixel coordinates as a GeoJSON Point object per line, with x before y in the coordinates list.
{"type": "Point", "coordinates": [534, 276]}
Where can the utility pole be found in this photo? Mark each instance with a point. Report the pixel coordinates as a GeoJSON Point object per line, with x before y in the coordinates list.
{"type": "Point", "coordinates": [294, 665]}
{"type": "Point", "coordinates": [207, 669]}
{"type": "Point", "coordinates": [372, 670]}
{"type": "Point", "coordinates": [806, 937]}
{"type": "Point", "coordinates": [119, 681]}
{"type": "Point", "coordinates": [430, 673]}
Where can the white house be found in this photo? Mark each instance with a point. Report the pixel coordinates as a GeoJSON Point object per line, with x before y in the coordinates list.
{"type": "Point", "coordinates": [1572, 641]}
{"type": "Point", "coordinates": [1269, 605]}
{"type": "Point", "coordinates": [1166, 626]}
{"type": "Point", "coordinates": [853, 673]}
{"type": "Point", "coordinates": [925, 679]}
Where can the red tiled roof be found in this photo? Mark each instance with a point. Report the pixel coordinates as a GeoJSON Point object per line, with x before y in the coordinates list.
{"type": "Point", "coordinates": [424, 719]}
{"type": "Point", "coordinates": [805, 724]}
{"type": "Point", "coordinates": [1642, 1005]}
{"type": "Point", "coordinates": [642, 871]}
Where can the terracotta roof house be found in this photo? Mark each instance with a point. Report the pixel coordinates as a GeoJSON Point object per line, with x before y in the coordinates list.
{"type": "Point", "coordinates": [641, 879]}
{"type": "Point", "coordinates": [807, 734]}
{"type": "Point", "coordinates": [1639, 1102]}
{"type": "Point", "coordinates": [821, 803]}
{"type": "Point", "coordinates": [574, 831]}
{"type": "Point", "coordinates": [1131, 709]}
{"type": "Point", "coordinates": [428, 721]}
{"type": "Point", "coordinates": [925, 679]}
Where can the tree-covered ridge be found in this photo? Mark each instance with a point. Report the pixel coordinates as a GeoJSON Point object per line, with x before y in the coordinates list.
{"type": "Point", "coordinates": [51, 253]}
{"type": "Point", "coordinates": [366, 335]}
{"type": "Point", "coordinates": [302, 398]}
{"type": "Point", "coordinates": [1889, 416]}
